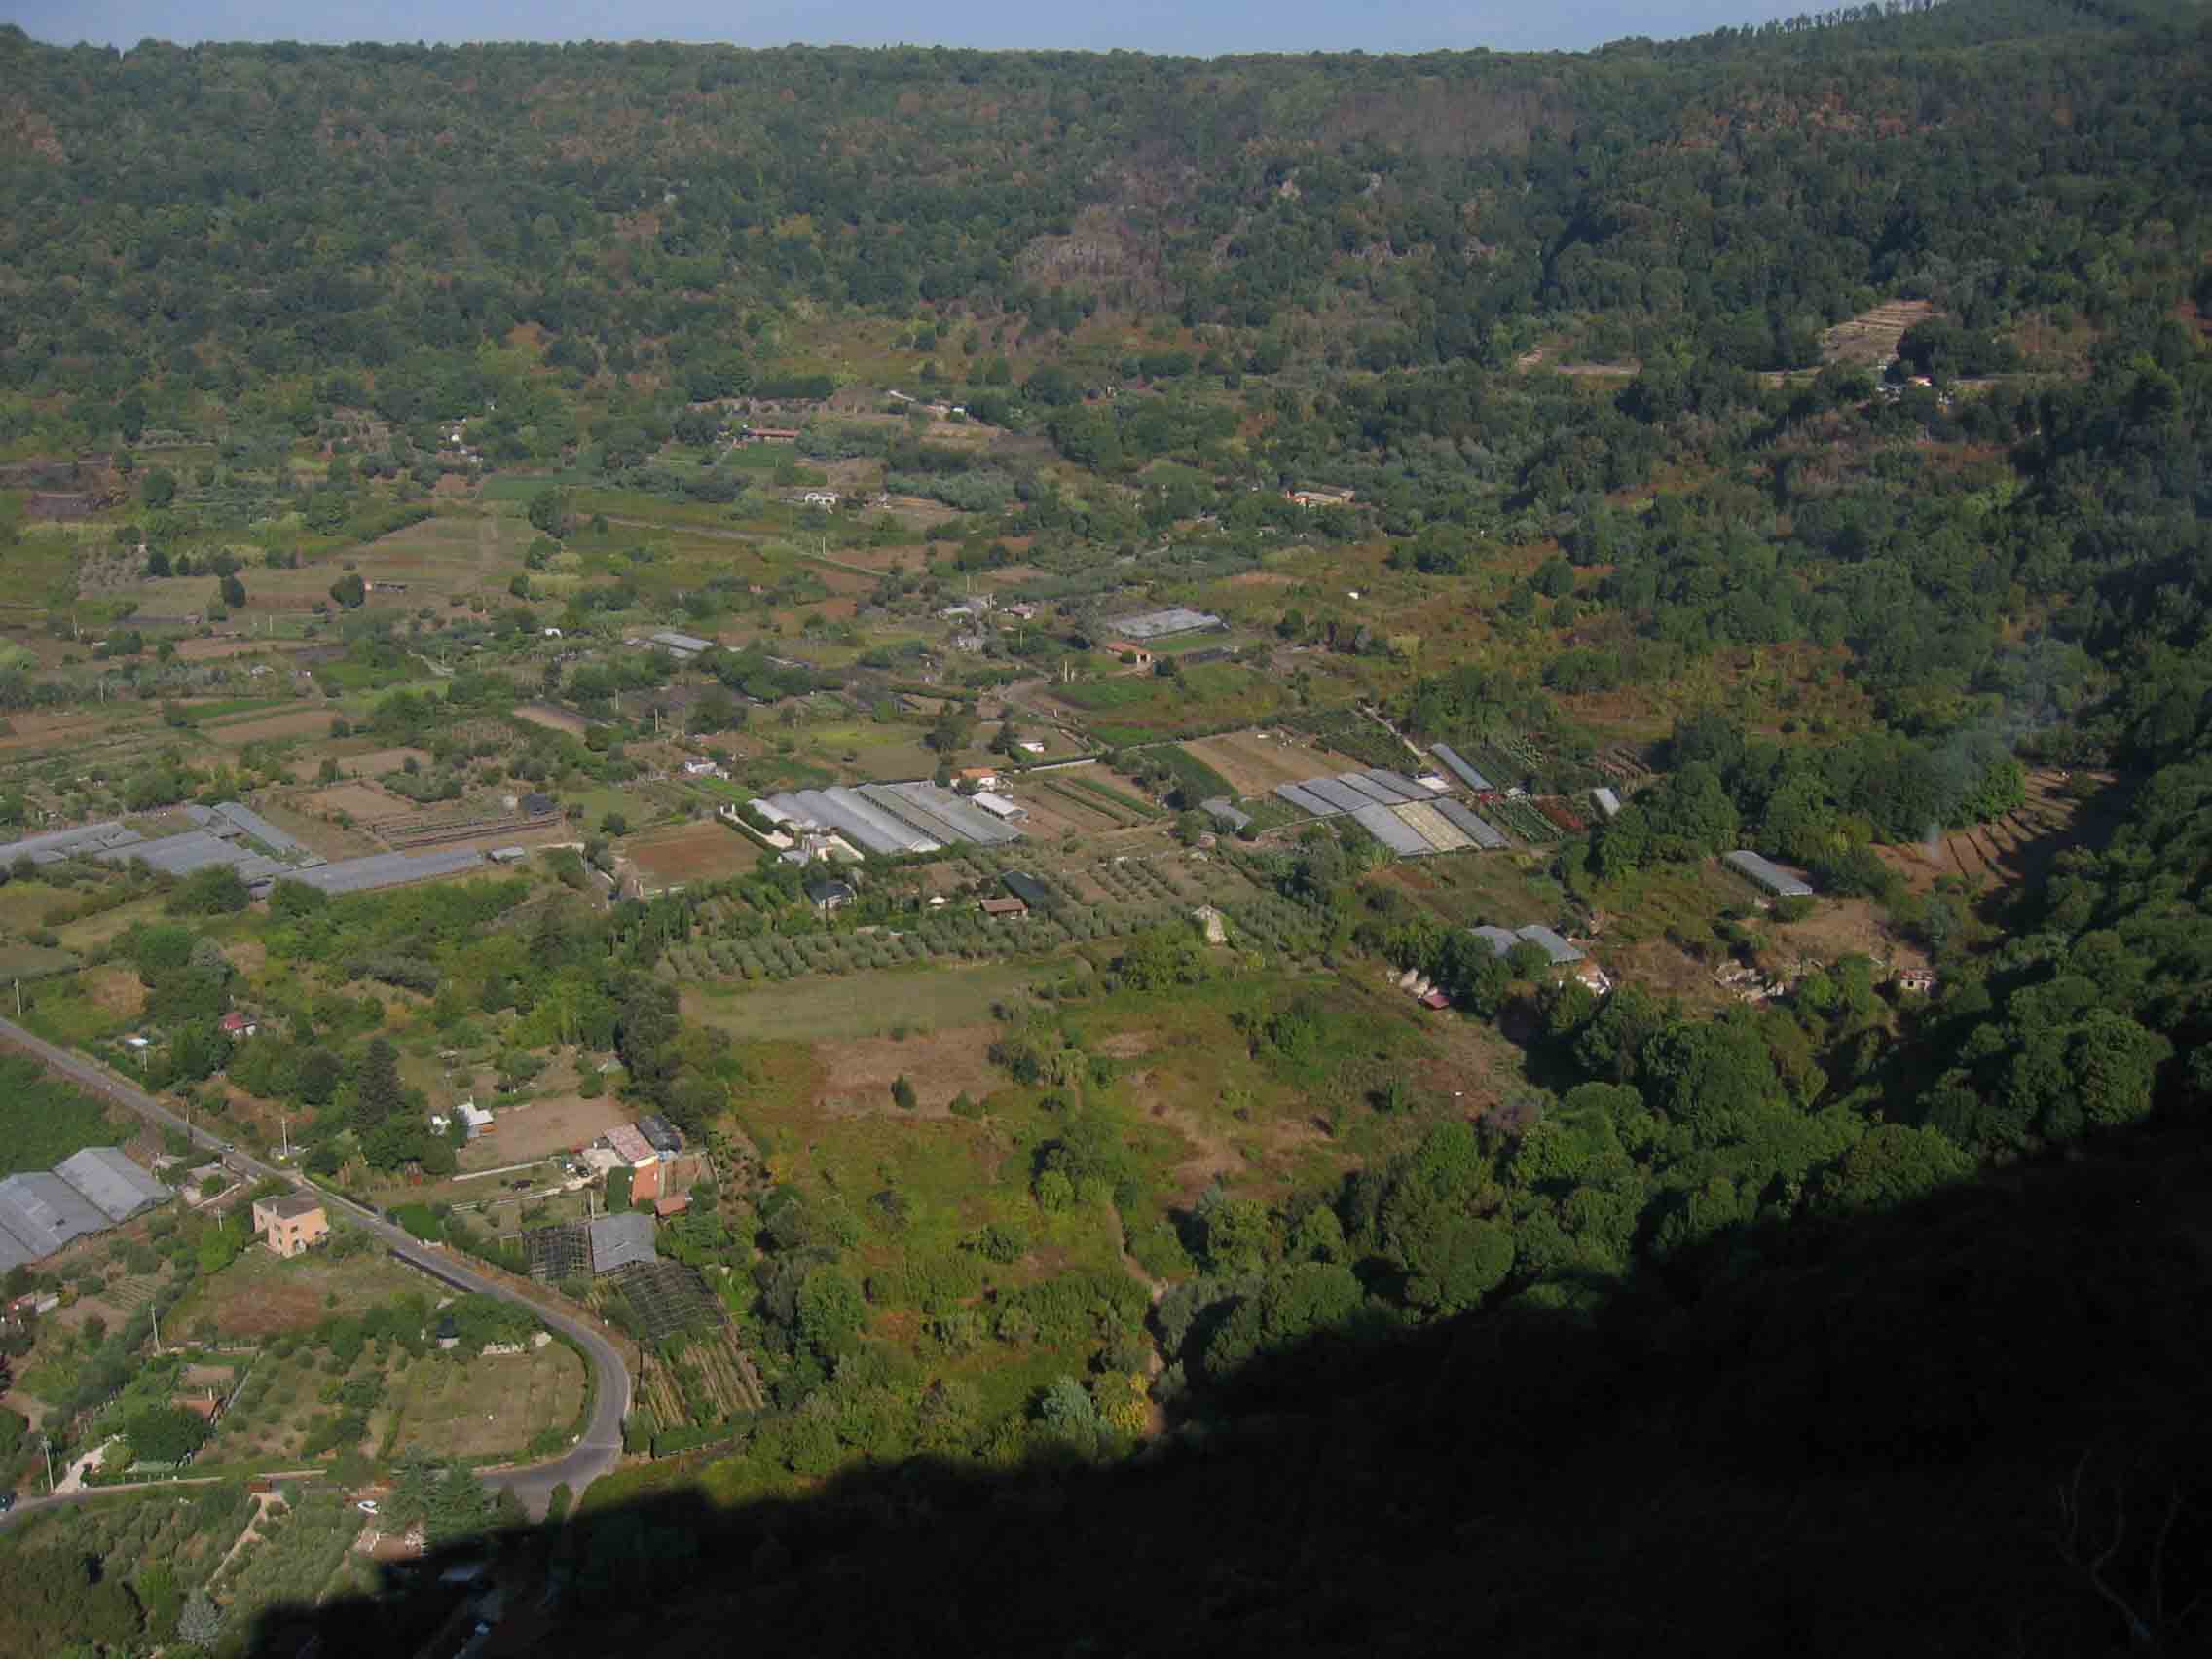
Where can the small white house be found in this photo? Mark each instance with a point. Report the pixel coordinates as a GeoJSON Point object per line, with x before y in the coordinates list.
{"type": "Point", "coordinates": [820, 498]}
{"type": "Point", "coordinates": [701, 769]}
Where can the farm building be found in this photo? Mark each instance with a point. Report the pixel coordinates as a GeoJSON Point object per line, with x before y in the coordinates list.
{"type": "Point", "coordinates": [1765, 872]}
{"type": "Point", "coordinates": [660, 1135]}
{"type": "Point", "coordinates": [631, 1146]}
{"type": "Point", "coordinates": [87, 841]}
{"type": "Point", "coordinates": [617, 1241]}
{"type": "Point", "coordinates": [238, 1026]}
{"type": "Point", "coordinates": [385, 869]}
{"type": "Point", "coordinates": [116, 1186]}
{"type": "Point", "coordinates": [508, 855]}
{"type": "Point", "coordinates": [827, 896]}
{"type": "Point", "coordinates": [1223, 813]}
{"type": "Point", "coordinates": [1605, 801]}
{"type": "Point", "coordinates": [1004, 909]}
{"type": "Point", "coordinates": [1503, 940]}
{"type": "Point", "coordinates": [682, 647]}
{"type": "Point", "coordinates": [1163, 624]}
{"type": "Point", "coordinates": [1026, 888]}
{"type": "Point", "coordinates": [42, 1210]}
{"type": "Point", "coordinates": [1000, 806]}
{"type": "Point", "coordinates": [1460, 769]}
{"type": "Point", "coordinates": [1127, 652]}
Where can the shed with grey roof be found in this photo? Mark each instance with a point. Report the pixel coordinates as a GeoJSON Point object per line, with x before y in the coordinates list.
{"type": "Point", "coordinates": [55, 845]}
{"type": "Point", "coordinates": [1767, 873]}
{"type": "Point", "coordinates": [1393, 832]}
{"type": "Point", "coordinates": [117, 1186]}
{"type": "Point", "coordinates": [1306, 800]}
{"type": "Point", "coordinates": [1372, 790]}
{"type": "Point", "coordinates": [1459, 769]}
{"type": "Point", "coordinates": [1479, 830]}
{"type": "Point", "coordinates": [1407, 789]}
{"type": "Point", "coordinates": [385, 869]}
{"type": "Point", "coordinates": [618, 1241]}
{"type": "Point", "coordinates": [1555, 947]}
{"type": "Point", "coordinates": [1342, 797]}
{"type": "Point", "coordinates": [43, 1212]}
{"type": "Point", "coordinates": [1221, 811]}
{"type": "Point", "coordinates": [258, 827]}
{"type": "Point", "coordinates": [1161, 624]}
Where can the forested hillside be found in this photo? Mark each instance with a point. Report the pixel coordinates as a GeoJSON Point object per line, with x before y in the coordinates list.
{"type": "Point", "coordinates": [1805, 430]}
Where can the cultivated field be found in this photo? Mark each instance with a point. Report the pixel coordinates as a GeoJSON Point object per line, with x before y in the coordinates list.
{"type": "Point", "coordinates": [558, 719]}
{"type": "Point", "coordinates": [1871, 337]}
{"type": "Point", "coordinates": [709, 851]}
{"type": "Point", "coordinates": [271, 728]}
{"type": "Point", "coordinates": [1255, 762]}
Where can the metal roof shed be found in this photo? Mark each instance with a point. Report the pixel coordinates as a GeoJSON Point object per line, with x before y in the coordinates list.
{"type": "Point", "coordinates": [117, 1186]}
{"type": "Point", "coordinates": [618, 1241]}
{"type": "Point", "coordinates": [1465, 773]}
{"type": "Point", "coordinates": [1480, 831]}
{"type": "Point", "coordinates": [1767, 874]}
{"type": "Point", "coordinates": [1026, 888]}
{"type": "Point", "coordinates": [44, 1212]}
{"type": "Point", "coordinates": [1393, 832]}
{"type": "Point", "coordinates": [1306, 800]}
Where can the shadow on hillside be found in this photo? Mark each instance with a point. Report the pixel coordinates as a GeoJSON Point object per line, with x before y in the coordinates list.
{"type": "Point", "coordinates": [1917, 1433]}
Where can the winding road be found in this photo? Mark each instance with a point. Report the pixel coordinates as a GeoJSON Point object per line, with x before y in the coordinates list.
{"type": "Point", "coordinates": [596, 1451]}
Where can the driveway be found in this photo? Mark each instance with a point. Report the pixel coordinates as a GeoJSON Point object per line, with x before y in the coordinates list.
{"type": "Point", "coordinates": [596, 1451]}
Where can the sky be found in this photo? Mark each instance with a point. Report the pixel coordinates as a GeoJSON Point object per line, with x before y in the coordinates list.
{"type": "Point", "coordinates": [1197, 27]}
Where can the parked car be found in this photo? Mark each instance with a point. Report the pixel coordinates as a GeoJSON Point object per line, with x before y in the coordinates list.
{"type": "Point", "coordinates": [367, 1506]}
{"type": "Point", "coordinates": [7, 1500]}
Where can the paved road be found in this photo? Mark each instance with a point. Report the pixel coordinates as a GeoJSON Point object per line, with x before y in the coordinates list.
{"type": "Point", "coordinates": [596, 1451]}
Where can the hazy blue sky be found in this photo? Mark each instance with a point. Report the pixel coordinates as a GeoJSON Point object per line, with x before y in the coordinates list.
{"type": "Point", "coordinates": [1199, 26]}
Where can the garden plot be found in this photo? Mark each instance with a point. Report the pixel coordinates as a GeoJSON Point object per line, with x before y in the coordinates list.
{"type": "Point", "coordinates": [1255, 762]}
{"type": "Point", "coordinates": [495, 1403]}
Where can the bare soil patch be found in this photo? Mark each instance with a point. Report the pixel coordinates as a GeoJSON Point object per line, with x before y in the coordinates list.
{"type": "Point", "coordinates": [115, 990]}
{"type": "Point", "coordinates": [697, 852]}
{"type": "Point", "coordinates": [556, 720]}
{"type": "Point", "coordinates": [357, 800]}
{"type": "Point", "coordinates": [858, 1073]}
{"type": "Point", "coordinates": [559, 1122]}
{"type": "Point", "coordinates": [1872, 336]}
{"type": "Point", "coordinates": [1254, 764]}
{"type": "Point", "coordinates": [271, 728]}
{"type": "Point", "coordinates": [210, 651]}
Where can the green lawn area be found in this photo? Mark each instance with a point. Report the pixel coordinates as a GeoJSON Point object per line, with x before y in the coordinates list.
{"type": "Point", "coordinates": [1207, 698]}
{"type": "Point", "coordinates": [819, 1007]}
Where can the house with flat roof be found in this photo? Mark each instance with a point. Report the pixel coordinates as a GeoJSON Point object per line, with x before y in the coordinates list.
{"type": "Point", "coordinates": [290, 1224]}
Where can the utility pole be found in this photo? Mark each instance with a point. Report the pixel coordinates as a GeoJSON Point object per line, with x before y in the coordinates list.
{"type": "Point", "coordinates": [285, 1119]}
{"type": "Point", "coordinates": [18, 999]}
{"type": "Point", "coordinates": [46, 1445]}
{"type": "Point", "coordinates": [156, 1314]}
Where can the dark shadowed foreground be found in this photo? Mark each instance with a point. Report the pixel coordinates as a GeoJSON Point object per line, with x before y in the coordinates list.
{"type": "Point", "coordinates": [1977, 1425]}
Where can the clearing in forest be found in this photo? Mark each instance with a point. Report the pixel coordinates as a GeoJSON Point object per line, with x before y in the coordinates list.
{"type": "Point", "coordinates": [1871, 337]}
